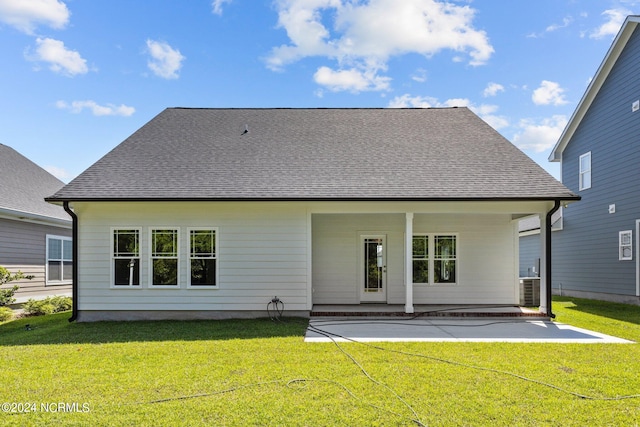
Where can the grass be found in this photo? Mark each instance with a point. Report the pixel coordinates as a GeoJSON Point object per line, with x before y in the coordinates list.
{"type": "Point", "coordinates": [259, 372]}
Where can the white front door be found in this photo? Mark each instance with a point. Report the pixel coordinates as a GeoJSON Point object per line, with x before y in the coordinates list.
{"type": "Point", "coordinates": [373, 268]}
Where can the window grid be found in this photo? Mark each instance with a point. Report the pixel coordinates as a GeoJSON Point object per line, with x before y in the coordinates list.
{"type": "Point", "coordinates": [164, 243]}
{"type": "Point", "coordinates": [441, 267]}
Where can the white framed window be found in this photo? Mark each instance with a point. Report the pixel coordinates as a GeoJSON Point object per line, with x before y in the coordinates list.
{"type": "Point", "coordinates": [203, 257]}
{"type": "Point", "coordinates": [435, 258]}
{"type": "Point", "coordinates": [421, 259]}
{"type": "Point", "coordinates": [625, 245]}
{"type": "Point", "coordinates": [445, 259]}
{"type": "Point", "coordinates": [59, 267]}
{"type": "Point", "coordinates": [126, 257]}
{"type": "Point", "coordinates": [585, 171]}
{"type": "Point", "coordinates": [164, 257]}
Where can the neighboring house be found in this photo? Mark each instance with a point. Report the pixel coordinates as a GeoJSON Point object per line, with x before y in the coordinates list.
{"type": "Point", "coordinates": [596, 253]}
{"type": "Point", "coordinates": [530, 243]}
{"type": "Point", "coordinates": [35, 236]}
{"type": "Point", "coordinates": [210, 213]}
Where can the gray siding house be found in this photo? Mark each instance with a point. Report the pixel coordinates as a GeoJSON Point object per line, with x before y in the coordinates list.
{"type": "Point", "coordinates": [530, 243]}
{"type": "Point", "coordinates": [35, 236]}
{"type": "Point", "coordinates": [596, 252]}
{"type": "Point", "coordinates": [211, 213]}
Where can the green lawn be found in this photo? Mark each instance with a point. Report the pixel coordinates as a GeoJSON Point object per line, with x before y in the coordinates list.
{"type": "Point", "coordinates": [260, 372]}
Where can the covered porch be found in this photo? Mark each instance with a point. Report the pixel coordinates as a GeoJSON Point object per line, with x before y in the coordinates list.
{"type": "Point", "coordinates": [456, 258]}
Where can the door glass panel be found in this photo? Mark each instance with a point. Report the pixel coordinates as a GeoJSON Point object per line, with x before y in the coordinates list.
{"type": "Point", "coordinates": [374, 264]}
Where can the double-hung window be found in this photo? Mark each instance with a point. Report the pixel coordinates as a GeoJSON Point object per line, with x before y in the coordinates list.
{"type": "Point", "coordinates": [59, 260]}
{"type": "Point", "coordinates": [444, 269]}
{"type": "Point", "coordinates": [625, 245]}
{"type": "Point", "coordinates": [164, 257]}
{"type": "Point", "coordinates": [585, 171]}
{"type": "Point", "coordinates": [420, 259]}
{"type": "Point", "coordinates": [203, 259]}
{"type": "Point", "coordinates": [435, 258]}
{"type": "Point", "coordinates": [126, 257]}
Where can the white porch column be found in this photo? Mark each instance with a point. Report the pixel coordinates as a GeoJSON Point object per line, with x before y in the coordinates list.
{"type": "Point", "coordinates": [408, 262]}
{"type": "Point", "coordinates": [543, 263]}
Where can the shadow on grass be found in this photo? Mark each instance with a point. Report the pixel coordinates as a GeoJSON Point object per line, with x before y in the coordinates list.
{"type": "Point", "coordinates": [623, 312]}
{"type": "Point", "coordinates": [55, 329]}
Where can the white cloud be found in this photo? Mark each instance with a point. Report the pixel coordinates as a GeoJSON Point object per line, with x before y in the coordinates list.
{"type": "Point", "coordinates": [408, 101]}
{"type": "Point", "coordinates": [549, 93]}
{"type": "Point", "coordinates": [165, 61]}
{"type": "Point", "coordinates": [365, 35]}
{"type": "Point", "coordinates": [485, 111]}
{"type": "Point", "coordinates": [615, 19]}
{"type": "Point", "coordinates": [492, 89]}
{"type": "Point", "coordinates": [351, 80]}
{"type": "Point", "coordinates": [217, 6]}
{"type": "Point", "coordinates": [420, 75]}
{"type": "Point", "coordinates": [539, 136]}
{"type": "Point", "coordinates": [96, 109]}
{"type": "Point", "coordinates": [554, 27]}
{"type": "Point", "coordinates": [59, 173]}
{"type": "Point", "coordinates": [25, 15]}
{"type": "Point", "coordinates": [61, 60]}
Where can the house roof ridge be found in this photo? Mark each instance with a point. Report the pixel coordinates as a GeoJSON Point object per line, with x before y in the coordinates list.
{"type": "Point", "coordinates": [314, 108]}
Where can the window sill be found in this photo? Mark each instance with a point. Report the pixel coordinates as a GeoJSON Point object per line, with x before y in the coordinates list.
{"type": "Point", "coordinates": [432, 285]}
{"type": "Point", "coordinates": [63, 283]}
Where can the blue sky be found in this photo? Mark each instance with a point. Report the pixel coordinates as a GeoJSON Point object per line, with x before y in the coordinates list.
{"type": "Point", "coordinates": [78, 76]}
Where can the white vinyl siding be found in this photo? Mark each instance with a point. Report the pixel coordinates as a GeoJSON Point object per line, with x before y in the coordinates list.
{"type": "Point", "coordinates": [486, 257]}
{"type": "Point", "coordinates": [261, 251]}
{"type": "Point", "coordinates": [585, 171]}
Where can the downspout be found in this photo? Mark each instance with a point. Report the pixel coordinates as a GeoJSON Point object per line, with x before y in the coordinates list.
{"type": "Point", "coordinates": [547, 261]}
{"type": "Point", "coordinates": [74, 280]}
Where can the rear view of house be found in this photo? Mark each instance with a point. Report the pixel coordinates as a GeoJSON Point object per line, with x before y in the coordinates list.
{"type": "Point", "coordinates": [595, 253]}
{"type": "Point", "coordinates": [209, 213]}
{"type": "Point", "coordinates": [35, 236]}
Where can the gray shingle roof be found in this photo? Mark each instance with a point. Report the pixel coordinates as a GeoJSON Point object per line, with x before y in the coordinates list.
{"type": "Point", "coordinates": [314, 154]}
{"type": "Point", "coordinates": [24, 185]}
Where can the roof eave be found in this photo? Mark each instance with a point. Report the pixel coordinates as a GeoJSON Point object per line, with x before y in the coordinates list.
{"type": "Point", "coordinates": [565, 198]}
{"type": "Point", "coordinates": [601, 75]}
{"type": "Point", "coordinates": [34, 218]}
